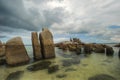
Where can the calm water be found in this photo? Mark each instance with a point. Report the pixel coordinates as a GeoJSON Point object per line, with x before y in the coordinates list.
{"type": "Point", "coordinates": [88, 66]}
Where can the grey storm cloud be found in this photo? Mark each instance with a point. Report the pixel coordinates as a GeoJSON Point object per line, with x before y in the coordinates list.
{"type": "Point", "coordinates": [89, 17]}
{"type": "Point", "coordinates": [13, 15]}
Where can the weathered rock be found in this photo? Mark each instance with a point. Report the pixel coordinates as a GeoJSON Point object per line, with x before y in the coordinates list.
{"type": "Point", "coordinates": [109, 51]}
{"type": "Point", "coordinates": [78, 51]}
{"type": "Point", "coordinates": [36, 46]}
{"type": "Point", "coordinates": [119, 53]}
{"type": "Point", "coordinates": [77, 40]}
{"type": "Point", "coordinates": [61, 75]}
{"type": "Point", "coordinates": [2, 61]}
{"type": "Point", "coordinates": [2, 49]}
{"type": "Point", "coordinates": [47, 44]}
{"type": "Point", "coordinates": [98, 48]}
{"type": "Point", "coordinates": [70, 69]}
{"type": "Point", "coordinates": [16, 52]}
{"type": "Point", "coordinates": [102, 77]}
{"type": "Point", "coordinates": [53, 69]}
{"type": "Point", "coordinates": [39, 66]}
{"type": "Point", "coordinates": [117, 45]}
{"type": "Point", "coordinates": [69, 62]}
{"type": "Point", "coordinates": [88, 48]}
{"type": "Point", "coordinates": [15, 75]}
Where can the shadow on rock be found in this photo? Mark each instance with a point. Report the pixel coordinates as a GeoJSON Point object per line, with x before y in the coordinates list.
{"type": "Point", "coordinates": [39, 66]}
{"type": "Point", "coordinates": [15, 75]}
{"type": "Point", "coordinates": [102, 77]}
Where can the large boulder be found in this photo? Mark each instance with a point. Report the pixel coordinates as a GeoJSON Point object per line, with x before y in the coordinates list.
{"type": "Point", "coordinates": [2, 49]}
{"type": "Point", "coordinates": [117, 45]}
{"type": "Point", "coordinates": [47, 43]}
{"type": "Point", "coordinates": [99, 48]}
{"type": "Point", "coordinates": [109, 51]}
{"type": "Point", "coordinates": [119, 53]}
{"type": "Point", "coordinates": [36, 46]}
{"type": "Point", "coordinates": [16, 52]}
{"type": "Point", "coordinates": [88, 48]}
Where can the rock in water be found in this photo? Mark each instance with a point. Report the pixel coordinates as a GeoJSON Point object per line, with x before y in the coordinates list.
{"type": "Point", "coordinates": [119, 53]}
{"type": "Point", "coordinates": [39, 66]}
{"type": "Point", "coordinates": [2, 50]}
{"type": "Point", "coordinates": [47, 44]}
{"type": "Point", "coordinates": [87, 48]}
{"type": "Point", "coordinates": [15, 75]}
{"type": "Point", "coordinates": [16, 52]}
{"type": "Point", "coordinates": [102, 77]}
{"type": "Point", "coordinates": [53, 69]}
{"type": "Point", "coordinates": [109, 51]}
{"type": "Point", "coordinates": [36, 46]}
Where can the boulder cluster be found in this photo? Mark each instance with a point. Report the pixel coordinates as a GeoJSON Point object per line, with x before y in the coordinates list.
{"type": "Point", "coordinates": [15, 52]}
{"type": "Point", "coordinates": [76, 45]}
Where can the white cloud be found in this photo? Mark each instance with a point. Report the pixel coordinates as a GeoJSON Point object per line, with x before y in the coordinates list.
{"type": "Point", "coordinates": [89, 17]}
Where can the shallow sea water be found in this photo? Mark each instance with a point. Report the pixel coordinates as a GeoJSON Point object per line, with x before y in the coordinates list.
{"type": "Point", "coordinates": [89, 66]}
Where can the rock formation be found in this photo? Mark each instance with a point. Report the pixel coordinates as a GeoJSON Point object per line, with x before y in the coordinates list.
{"type": "Point", "coordinates": [16, 52]}
{"type": "Point", "coordinates": [47, 44]}
{"type": "Point", "coordinates": [2, 49]}
{"type": "Point", "coordinates": [36, 46]}
{"type": "Point", "coordinates": [109, 51]}
{"type": "Point", "coordinates": [117, 45]}
{"type": "Point", "coordinates": [119, 53]}
{"type": "Point", "coordinates": [87, 48]}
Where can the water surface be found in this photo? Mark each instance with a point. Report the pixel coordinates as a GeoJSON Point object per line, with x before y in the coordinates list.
{"type": "Point", "coordinates": [71, 66]}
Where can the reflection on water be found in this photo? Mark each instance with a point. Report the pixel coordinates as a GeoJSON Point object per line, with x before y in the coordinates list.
{"type": "Point", "coordinates": [71, 66]}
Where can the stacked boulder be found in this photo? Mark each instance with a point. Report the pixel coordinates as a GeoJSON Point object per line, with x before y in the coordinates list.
{"type": "Point", "coordinates": [16, 52]}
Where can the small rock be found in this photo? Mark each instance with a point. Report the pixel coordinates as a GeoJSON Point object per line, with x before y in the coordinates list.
{"type": "Point", "coordinates": [53, 69]}
{"type": "Point", "coordinates": [69, 62]}
{"type": "Point", "coordinates": [70, 69]}
{"type": "Point", "coordinates": [15, 75]}
{"type": "Point", "coordinates": [39, 66]}
{"type": "Point", "coordinates": [85, 65]}
{"type": "Point", "coordinates": [66, 63]}
{"type": "Point", "coordinates": [102, 77]}
{"type": "Point", "coordinates": [61, 75]}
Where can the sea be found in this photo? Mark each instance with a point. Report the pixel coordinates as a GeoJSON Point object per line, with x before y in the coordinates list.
{"type": "Point", "coordinates": [71, 67]}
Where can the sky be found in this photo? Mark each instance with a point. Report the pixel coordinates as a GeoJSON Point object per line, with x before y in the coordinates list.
{"type": "Point", "coordinates": [96, 21]}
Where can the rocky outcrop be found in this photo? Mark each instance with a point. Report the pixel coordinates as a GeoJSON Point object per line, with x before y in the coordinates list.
{"type": "Point", "coordinates": [117, 45]}
{"type": "Point", "coordinates": [109, 51]}
{"type": "Point", "coordinates": [36, 46]}
{"type": "Point", "coordinates": [88, 48]}
{"type": "Point", "coordinates": [119, 53]}
{"type": "Point", "coordinates": [2, 49]}
{"type": "Point", "coordinates": [47, 44]}
{"type": "Point", "coordinates": [16, 52]}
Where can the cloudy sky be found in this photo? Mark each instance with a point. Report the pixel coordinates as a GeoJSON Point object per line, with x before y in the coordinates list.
{"type": "Point", "coordinates": [90, 20]}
